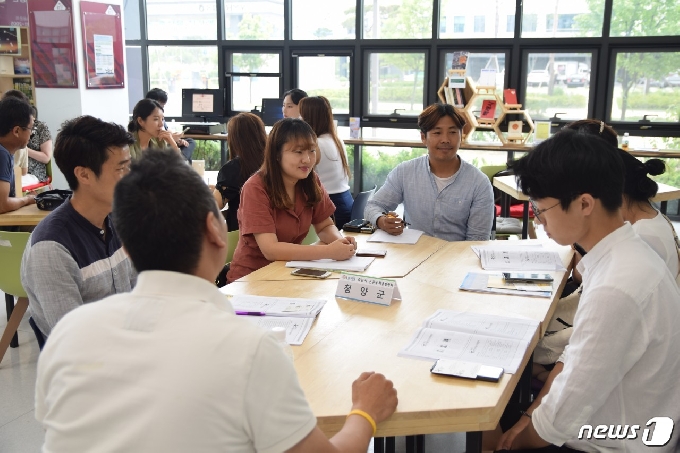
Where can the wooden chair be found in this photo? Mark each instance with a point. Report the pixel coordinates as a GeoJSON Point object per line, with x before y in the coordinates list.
{"type": "Point", "coordinates": [12, 247]}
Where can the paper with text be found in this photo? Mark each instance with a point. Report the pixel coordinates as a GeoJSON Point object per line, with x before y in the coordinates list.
{"type": "Point", "coordinates": [409, 236]}
{"type": "Point", "coordinates": [278, 306]}
{"type": "Point", "coordinates": [520, 260]}
{"type": "Point", "coordinates": [485, 339]}
{"type": "Point", "coordinates": [296, 328]}
{"type": "Point", "coordinates": [479, 283]}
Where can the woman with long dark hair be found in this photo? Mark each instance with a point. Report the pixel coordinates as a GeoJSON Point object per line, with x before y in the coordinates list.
{"type": "Point", "coordinates": [331, 160]}
{"type": "Point", "coordinates": [246, 139]}
{"type": "Point", "coordinates": [280, 202]}
{"type": "Point", "coordinates": [148, 130]}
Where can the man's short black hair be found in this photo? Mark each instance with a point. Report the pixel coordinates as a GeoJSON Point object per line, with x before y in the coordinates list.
{"type": "Point", "coordinates": [569, 164]}
{"type": "Point", "coordinates": [159, 212]}
{"type": "Point", "coordinates": [14, 112]}
{"type": "Point", "coordinates": [84, 142]}
{"type": "Point", "coordinates": [157, 94]}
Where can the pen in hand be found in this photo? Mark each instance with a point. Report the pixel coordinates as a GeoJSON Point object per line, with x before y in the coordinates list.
{"type": "Point", "coordinates": [393, 216]}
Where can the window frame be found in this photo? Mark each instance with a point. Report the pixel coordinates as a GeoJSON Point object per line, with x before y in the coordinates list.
{"type": "Point", "coordinates": [229, 74]}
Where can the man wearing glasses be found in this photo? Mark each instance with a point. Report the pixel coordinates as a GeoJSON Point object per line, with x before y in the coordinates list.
{"type": "Point", "coordinates": [621, 367]}
{"type": "Point", "coordinates": [16, 124]}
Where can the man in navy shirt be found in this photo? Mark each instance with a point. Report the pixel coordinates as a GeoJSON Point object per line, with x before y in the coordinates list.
{"type": "Point", "coordinates": [16, 124]}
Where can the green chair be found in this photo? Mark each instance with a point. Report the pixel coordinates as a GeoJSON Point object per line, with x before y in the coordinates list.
{"type": "Point", "coordinates": [311, 237]}
{"type": "Point", "coordinates": [12, 247]}
{"type": "Point", "coordinates": [232, 237]}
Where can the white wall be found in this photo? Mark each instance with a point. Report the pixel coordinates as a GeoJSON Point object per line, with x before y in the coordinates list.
{"type": "Point", "coordinates": [56, 105]}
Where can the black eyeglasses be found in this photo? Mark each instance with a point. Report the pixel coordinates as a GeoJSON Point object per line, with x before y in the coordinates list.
{"type": "Point", "coordinates": [538, 212]}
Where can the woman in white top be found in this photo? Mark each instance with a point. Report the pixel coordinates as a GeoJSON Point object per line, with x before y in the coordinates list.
{"type": "Point", "coordinates": [332, 166]}
{"type": "Point", "coordinates": [653, 227]}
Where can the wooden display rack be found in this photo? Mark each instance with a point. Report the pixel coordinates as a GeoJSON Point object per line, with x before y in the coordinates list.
{"type": "Point", "coordinates": [473, 93]}
{"type": "Point", "coordinates": [22, 82]}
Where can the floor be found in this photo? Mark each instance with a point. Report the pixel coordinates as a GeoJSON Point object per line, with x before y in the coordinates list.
{"type": "Point", "coordinates": [21, 433]}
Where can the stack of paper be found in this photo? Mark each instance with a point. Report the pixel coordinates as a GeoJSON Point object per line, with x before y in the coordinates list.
{"type": "Point", "coordinates": [355, 264]}
{"type": "Point", "coordinates": [494, 283]}
{"type": "Point", "coordinates": [522, 258]}
{"type": "Point", "coordinates": [294, 314]}
{"type": "Point", "coordinates": [409, 236]}
{"type": "Point", "coordinates": [490, 340]}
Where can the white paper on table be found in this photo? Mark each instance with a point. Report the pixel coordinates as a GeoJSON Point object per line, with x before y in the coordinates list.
{"type": "Point", "coordinates": [499, 245]}
{"type": "Point", "coordinates": [489, 325]}
{"type": "Point", "coordinates": [355, 263]}
{"type": "Point", "coordinates": [277, 306]}
{"type": "Point", "coordinates": [479, 283]}
{"type": "Point", "coordinates": [436, 344]}
{"type": "Point", "coordinates": [409, 236]}
{"type": "Point", "coordinates": [296, 328]}
{"type": "Point", "coordinates": [520, 260]}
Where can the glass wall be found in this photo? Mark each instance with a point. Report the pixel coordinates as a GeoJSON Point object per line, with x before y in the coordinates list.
{"type": "Point", "coordinates": [395, 83]}
{"type": "Point", "coordinates": [314, 19]}
{"type": "Point", "coordinates": [397, 19]}
{"type": "Point", "coordinates": [326, 76]}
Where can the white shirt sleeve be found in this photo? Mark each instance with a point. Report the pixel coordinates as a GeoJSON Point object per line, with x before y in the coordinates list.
{"type": "Point", "coordinates": [277, 413]}
{"type": "Point", "coordinates": [598, 359]}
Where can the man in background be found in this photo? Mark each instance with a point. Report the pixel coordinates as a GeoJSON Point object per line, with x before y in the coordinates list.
{"type": "Point", "coordinates": [16, 124]}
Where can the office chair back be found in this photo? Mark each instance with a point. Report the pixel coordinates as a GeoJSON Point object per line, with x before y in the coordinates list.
{"type": "Point", "coordinates": [233, 238]}
{"type": "Point", "coordinates": [360, 203]}
{"type": "Point", "coordinates": [12, 246]}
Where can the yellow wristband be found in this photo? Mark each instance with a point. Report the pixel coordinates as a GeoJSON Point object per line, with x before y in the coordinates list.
{"type": "Point", "coordinates": [366, 416]}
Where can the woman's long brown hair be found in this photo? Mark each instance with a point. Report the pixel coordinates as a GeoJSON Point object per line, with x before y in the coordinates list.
{"type": "Point", "coordinates": [317, 112]}
{"type": "Point", "coordinates": [246, 140]}
{"type": "Point", "coordinates": [285, 131]}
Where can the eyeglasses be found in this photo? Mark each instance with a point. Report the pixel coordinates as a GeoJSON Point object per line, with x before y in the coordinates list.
{"type": "Point", "coordinates": [538, 212]}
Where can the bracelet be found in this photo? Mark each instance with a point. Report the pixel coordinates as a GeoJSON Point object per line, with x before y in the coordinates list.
{"type": "Point", "coordinates": [525, 413]}
{"type": "Point", "coordinates": [366, 416]}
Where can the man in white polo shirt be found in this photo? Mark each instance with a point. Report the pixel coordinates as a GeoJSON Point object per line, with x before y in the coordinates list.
{"type": "Point", "coordinates": [169, 367]}
{"type": "Point", "coordinates": [621, 368]}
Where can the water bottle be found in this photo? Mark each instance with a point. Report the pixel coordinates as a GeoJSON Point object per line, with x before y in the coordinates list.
{"type": "Point", "coordinates": [280, 334]}
{"type": "Point", "coordinates": [625, 141]}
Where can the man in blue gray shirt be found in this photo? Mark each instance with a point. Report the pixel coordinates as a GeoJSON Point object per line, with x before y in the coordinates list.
{"type": "Point", "coordinates": [74, 255]}
{"type": "Point", "coordinates": [443, 195]}
{"type": "Point", "coordinates": [16, 124]}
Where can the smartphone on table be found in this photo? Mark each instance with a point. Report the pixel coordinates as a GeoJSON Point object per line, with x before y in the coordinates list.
{"type": "Point", "coordinates": [526, 277]}
{"type": "Point", "coordinates": [313, 273]}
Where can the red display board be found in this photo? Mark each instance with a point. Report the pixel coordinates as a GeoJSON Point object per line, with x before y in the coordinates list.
{"type": "Point", "coordinates": [52, 43]}
{"type": "Point", "coordinates": [13, 13]}
{"type": "Point", "coordinates": [103, 45]}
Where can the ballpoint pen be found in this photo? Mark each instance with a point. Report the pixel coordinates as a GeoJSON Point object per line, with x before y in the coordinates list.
{"type": "Point", "coordinates": [250, 313]}
{"type": "Point", "coordinates": [391, 215]}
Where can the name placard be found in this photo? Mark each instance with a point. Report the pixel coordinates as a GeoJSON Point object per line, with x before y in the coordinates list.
{"type": "Point", "coordinates": [367, 289]}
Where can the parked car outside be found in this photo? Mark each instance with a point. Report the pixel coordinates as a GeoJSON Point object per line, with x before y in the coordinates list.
{"type": "Point", "coordinates": [538, 77]}
{"type": "Point", "coordinates": [672, 80]}
{"type": "Point", "coordinates": [577, 80]}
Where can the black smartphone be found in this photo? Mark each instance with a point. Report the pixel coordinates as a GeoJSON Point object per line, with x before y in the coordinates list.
{"type": "Point", "coordinates": [314, 273]}
{"type": "Point", "coordinates": [355, 225]}
{"type": "Point", "coordinates": [525, 277]}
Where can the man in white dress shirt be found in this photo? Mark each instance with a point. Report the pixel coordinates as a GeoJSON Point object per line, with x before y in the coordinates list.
{"type": "Point", "coordinates": [616, 386]}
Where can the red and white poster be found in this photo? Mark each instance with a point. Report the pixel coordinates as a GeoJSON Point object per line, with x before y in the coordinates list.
{"type": "Point", "coordinates": [103, 45]}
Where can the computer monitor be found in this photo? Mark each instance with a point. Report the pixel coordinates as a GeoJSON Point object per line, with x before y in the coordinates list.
{"type": "Point", "coordinates": [202, 103]}
{"type": "Point", "coordinates": [10, 40]}
{"type": "Point", "coordinates": [272, 111]}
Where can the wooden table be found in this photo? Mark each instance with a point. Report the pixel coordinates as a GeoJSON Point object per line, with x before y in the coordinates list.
{"type": "Point", "coordinates": [351, 337]}
{"type": "Point", "coordinates": [27, 216]}
{"type": "Point", "coordinates": [399, 261]}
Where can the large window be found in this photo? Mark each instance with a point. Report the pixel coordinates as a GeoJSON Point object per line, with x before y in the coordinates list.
{"type": "Point", "coordinates": [478, 61]}
{"type": "Point", "coordinates": [314, 19]}
{"type": "Point", "coordinates": [647, 83]}
{"type": "Point", "coordinates": [378, 161]}
{"type": "Point", "coordinates": [253, 19]}
{"type": "Point", "coordinates": [174, 68]}
{"type": "Point", "coordinates": [181, 19]}
{"type": "Point", "coordinates": [648, 18]}
{"type": "Point", "coordinates": [395, 83]}
{"type": "Point", "coordinates": [558, 83]}
{"type": "Point", "coordinates": [254, 76]}
{"type": "Point", "coordinates": [326, 76]}
{"type": "Point", "coordinates": [397, 19]}
{"type": "Point", "coordinates": [574, 18]}
{"type": "Point", "coordinates": [485, 18]}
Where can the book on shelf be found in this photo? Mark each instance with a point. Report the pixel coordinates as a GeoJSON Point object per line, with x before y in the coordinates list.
{"type": "Point", "coordinates": [22, 66]}
{"type": "Point", "coordinates": [488, 109]}
{"type": "Point", "coordinates": [459, 60]}
{"type": "Point", "coordinates": [515, 130]}
{"type": "Point", "coordinates": [510, 96]}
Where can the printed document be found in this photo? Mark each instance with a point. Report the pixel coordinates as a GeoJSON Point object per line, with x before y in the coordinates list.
{"type": "Point", "coordinates": [355, 264]}
{"type": "Point", "coordinates": [486, 339]}
{"type": "Point", "coordinates": [296, 328]}
{"type": "Point", "coordinates": [277, 306]}
{"type": "Point", "coordinates": [409, 236]}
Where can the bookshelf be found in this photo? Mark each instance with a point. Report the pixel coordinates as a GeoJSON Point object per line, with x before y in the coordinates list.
{"type": "Point", "coordinates": [11, 64]}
